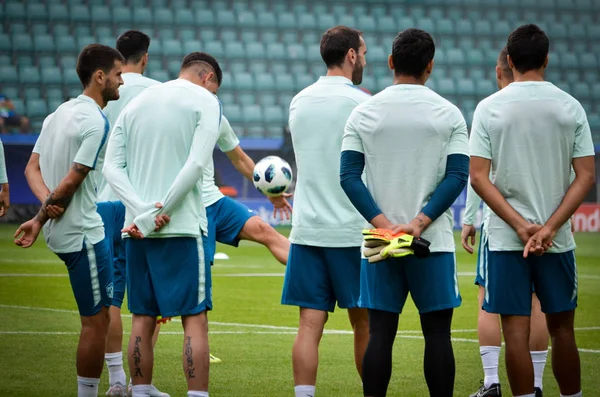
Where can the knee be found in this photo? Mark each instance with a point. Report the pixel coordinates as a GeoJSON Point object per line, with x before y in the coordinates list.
{"type": "Point", "coordinates": [96, 324]}
{"type": "Point", "coordinates": [359, 320]}
{"type": "Point", "coordinates": [198, 322]}
{"type": "Point", "coordinates": [313, 320]}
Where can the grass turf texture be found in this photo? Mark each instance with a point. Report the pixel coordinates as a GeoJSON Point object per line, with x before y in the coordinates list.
{"type": "Point", "coordinates": [250, 330]}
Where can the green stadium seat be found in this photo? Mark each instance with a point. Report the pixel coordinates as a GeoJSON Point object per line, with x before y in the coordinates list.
{"type": "Point", "coordinates": [267, 100]}
{"type": "Point", "coordinates": [290, 37]}
{"type": "Point", "coordinates": [9, 74]}
{"type": "Point", "coordinates": [386, 24]}
{"type": "Point", "coordinates": [215, 48]}
{"type": "Point", "coordinates": [173, 66]}
{"type": "Point", "coordinates": [37, 11]}
{"type": "Point", "coordinates": [60, 30]}
{"type": "Point", "coordinates": [435, 13]}
{"type": "Point", "coordinates": [286, 20]}
{"type": "Point", "coordinates": [566, 5]}
{"type": "Point", "coordinates": [339, 9]}
{"type": "Point", "coordinates": [184, 17]}
{"type": "Point", "coordinates": [482, 28]}
{"type": "Point", "coordinates": [275, 131]}
{"type": "Point", "coordinates": [247, 98]}
{"type": "Point", "coordinates": [172, 48]}
{"type": "Point", "coordinates": [313, 52]}
{"type": "Point", "coordinates": [65, 44]}
{"type": "Point", "coordinates": [296, 52]}
{"type": "Point", "coordinates": [237, 67]}
{"type": "Point", "coordinates": [581, 91]}
{"type": "Point", "coordinates": [187, 34]}
{"type": "Point", "coordinates": [426, 24]}
{"type": "Point", "coordinates": [47, 61]}
{"type": "Point", "coordinates": [234, 50]}
{"type": "Point", "coordinates": [276, 51]}
{"type": "Point", "coordinates": [557, 31]}
{"type": "Point", "coordinates": [376, 54]}
{"type": "Point", "coordinates": [227, 83]}
{"type": "Point", "coordinates": [205, 18]}
{"type": "Point", "coordinates": [166, 34]}
{"type": "Point", "coordinates": [320, 8]}
{"type": "Point", "coordinates": [29, 75]}
{"type": "Point", "coordinates": [476, 73]}
{"type": "Point", "coordinates": [54, 103]}
{"type": "Point", "coordinates": [465, 87]}
{"type": "Point", "coordinates": [382, 82]}
{"type": "Point", "coordinates": [347, 20]}
{"type": "Point", "coordinates": [142, 16]}
{"type": "Point", "coordinates": [299, 68]}
{"type": "Point", "coordinates": [417, 12]}
{"type": "Point", "coordinates": [585, 5]}
{"type": "Point", "coordinates": [243, 82]}
{"type": "Point", "coordinates": [83, 41]}
{"type": "Point", "coordinates": [10, 91]}
{"type": "Point", "coordinates": [285, 99]}
{"type": "Point", "coordinates": [300, 8]}
{"type": "Point", "coordinates": [246, 19]}
{"type": "Point", "coordinates": [591, 77]}
{"type": "Point", "coordinates": [105, 31]}
{"type": "Point", "coordinates": [455, 56]}
{"type": "Point", "coordinates": [67, 61]}
{"type": "Point", "coordinates": [259, 6]}
{"type": "Point", "coordinates": [264, 82]}
{"type": "Point", "coordinates": [266, 20]}
{"type": "Point", "coordinates": [207, 34]}
{"type": "Point", "coordinates": [284, 82]}
{"type": "Point", "coordinates": [569, 60]}
{"type": "Point", "coordinates": [445, 27]}
{"type": "Point", "coordinates": [571, 76]}
{"type": "Point", "coordinates": [22, 43]}
{"type": "Point", "coordinates": [225, 18]}
{"type": "Point", "coordinates": [25, 60]}
{"type": "Point", "coordinates": [163, 17]}
{"type": "Point", "coordinates": [485, 87]}
{"type": "Point", "coordinates": [37, 108]}
{"type": "Point", "coordinates": [43, 44]}
{"type": "Point", "coordinates": [274, 115]}
{"type": "Point", "coordinates": [464, 27]}
{"type": "Point", "coordinates": [269, 36]}
{"type": "Point", "coordinates": [457, 72]}
{"type": "Point", "coordinates": [15, 11]}
{"type": "Point", "coordinates": [32, 93]}
{"type": "Point", "coordinates": [576, 31]}
{"type": "Point", "coordinates": [19, 105]}
{"type": "Point", "coordinates": [456, 14]}
{"type": "Point", "coordinates": [475, 58]}
{"type": "Point", "coordinates": [233, 113]}
{"type": "Point", "coordinates": [122, 15]}
{"type": "Point", "coordinates": [279, 67]}
{"type": "Point", "coordinates": [325, 21]}
{"type": "Point", "coordinates": [226, 98]}
{"type": "Point", "coordinates": [360, 10]}
{"type": "Point", "coordinates": [17, 28]}
{"type": "Point", "coordinates": [101, 14]}
{"type": "Point", "coordinates": [71, 77]}
{"type": "Point", "coordinates": [309, 38]}
{"type": "Point", "coordinates": [303, 81]}
{"type": "Point", "coordinates": [307, 21]}
{"type": "Point", "coordinates": [38, 29]}
{"type": "Point", "coordinates": [446, 86]}
{"type": "Point", "coordinates": [252, 114]}
{"type": "Point", "coordinates": [255, 50]}
{"type": "Point", "coordinates": [80, 14]}
{"type": "Point", "coordinates": [367, 23]}
{"type": "Point", "coordinates": [228, 35]}
{"type": "Point", "coordinates": [190, 46]}
{"type": "Point", "coordinates": [5, 60]}
{"type": "Point", "coordinates": [54, 93]}
{"type": "Point", "coordinates": [588, 61]}
{"type": "Point", "coordinates": [259, 66]}
{"type": "Point", "coordinates": [501, 28]}
{"type": "Point", "coordinates": [83, 30]}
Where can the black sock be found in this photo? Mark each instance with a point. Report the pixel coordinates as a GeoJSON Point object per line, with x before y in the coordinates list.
{"type": "Point", "coordinates": [439, 357]}
{"type": "Point", "coordinates": [377, 363]}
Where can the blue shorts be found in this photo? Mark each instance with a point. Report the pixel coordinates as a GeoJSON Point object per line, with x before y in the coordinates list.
{"type": "Point", "coordinates": [168, 276]}
{"type": "Point", "coordinates": [90, 274]}
{"type": "Point", "coordinates": [226, 219]}
{"type": "Point", "coordinates": [113, 217]}
{"type": "Point", "coordinates": [511, 279]}
{"type": "Point", "coordinates": [481, 260]}
{"type": "Point", "coordinates": [317, 277]}
{"type": "Point", "coordinates": [432, 283]}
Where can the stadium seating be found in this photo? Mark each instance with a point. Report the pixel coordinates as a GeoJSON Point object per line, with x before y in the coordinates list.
{"type": "Point", "coordinates": [270, 49]}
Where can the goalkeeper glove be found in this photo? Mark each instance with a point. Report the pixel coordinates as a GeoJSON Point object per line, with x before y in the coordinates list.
{"type": "Point", "coordinates": [381, 244]}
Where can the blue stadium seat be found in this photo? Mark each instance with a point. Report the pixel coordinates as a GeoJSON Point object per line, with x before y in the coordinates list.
{"type": "Point", "coordinates": [485, 87]}
{"type": "Point", "coordinates": [172, 48]}
{"type": "Point", "coordinates": [36, 11]}
{"type": "Point", "coordinates": [122, 15]}
{"type": "Point", "coordinates": [299, 68]}
{"type": "Point", "coordinates": [80, 14]}
{"type": "Point", "coordinates": [246, 19]}
{"type": "Point", "coordinates": [60, 30]}
{"type": "Point", "coordinates": [289, 37]}
{"type": "Point", "coordinates": [159, 75]}
{"type": "Point", "coordinates": [228, 35]}
{"type": "Point", "coordinates": [418, 12]}
{"type": "Point", "coordinates": [445, 27]}
{"type": "Point", "coordinates": [569, 60]}
{"type": "Point", "coordinates": [207, 34]}
{"type": "Point", "coordinates": [104, 30]}
{"type": "Point", "coordinates": [585, 5]}
{"type": "Point", "coordinates": [226, 98]}
{"type": "Point", "coordinates": [204, 18]}
{"type": "Point", "coordinates": [440, 57]}
{"type": "Point", "coordinates": [313, 52]}
{"type": "Point", "coordinates": [83, 41]}
{"type": "Point", "coordinates": [5, 60]}
{"type": "Point", "coordinates": [285, 99]}
{"type": "Point", "coordinates": [142, 16]}
{"type": "Point", "coordinates": [255, 131]}
{"type": "Point", "coordinates": [284, 82]}
{"type": "Point", "coordinates": [255, 50]}
{"type": "Point", "coordinates": [581, 91]}
{"type": "Point", "coordinates": [279, 67]}
{"type": "Point", "coordinates": [15, 11]}
{"type": "Point", "coordinates": [43, 44]}
{"type": "Point", "coordinates": [67, 61]}
{"type": "Point", "coordinates": [267, 20]}
{"type": "Point", "coordinates": [269, 36]}
{"type": "Point", "coordinates": [101, 14]}
{"type": "Point", "coordinates": [455, 56]}
{"type": "Point", "coordinates": [465, 87]}
{"type": "Point", "coordinates": [475, 58]}
{"type": "Point", "coordinates": [426, 24]}
{"type": "Point", "coordinates": [29, 75]}
{"type": "Point", "coordinates": [215, 48]}
{"type": "Point", "coordinates": [366, 23]}
{"type": "Point", "coordinates": [184, 17]}
{"type": "Point", "coordinates": [386, 24]}
{"type": "Point", "coordinates": [239, 66]}
{"type": "Point", "coordinates": [309, 38]}
{"type": "Point", "coordinates": [187, 34]}
{"type": "Point", "coordinates": [163, 17]}
{"type": "Point", "coordinates": [22, 43]}
{"type": "Point", "coordinates": [252, 114]}
{"type": "Point", "coordinates": [375, 54]}
{"type": "Point", "coordinates": [274, 131]}
{"type": "Point", "coordinates": [296, 52]}
{"type": "Point", "coordinates": [234, 50]}
{"type": "Point", "coordinates": [435, 13]}
{"type": "Point", "coordinates": [243, 82]}
{"type": "Point", "coordinates": [286, 20]}
{"type": "Point", "coordinates": [576, 31]}
{"type": "Point", "coordinates": [25, 60]}
{"type": "Point", "coordinates": [37, 108]}
{"type": "Point", "coordinates": [225, 18]}
{"type": "Point", "coordinates": [83, 30]}
{"type": "Point", "coordinates": [247, 98]}
{"type": "Point", "coordinates": [265, 82]}
{"type": "Point", "coordinates": [46, 61]}
{"type": "Point", "coordinates": [446, 86]}
{"type": "Point", "coordinates": [259, 6]}
{"type": "Point", "coordinates": [307, 21]}
{"type": "Point", "coordinates": [9, 74]}
{"type": "Point", "coordinates": [483, 28]}
{"type": "Point", "coordinates": [501, 28]}
{"type": "Point", "coordinates": [593, 32]}
{"type": "Point", "coordinates": [458, 72]}
{"type": "Point", "coordinates": [166, 33]}
{"type": "Point", "coordinates": [403, 23]}
{"type": "Point", "coordinates": [464, 27]}
{"type": "Point", "coordinates": [276, 51]}
{"type": "Point", "coordinates": [32, 93]}
{"type": "Point", "coordinates": [303, 81]}
{"type": "Point", "coordinates": [274, 115]}
{"type": "Point", "coordinates": [173, 66]}
{"type": "Point", "coordinates": [588, 61]}
{"type": "Point", "coordinates": [17, 28]}
{"type": "Point", "coordinates": [347, 20]}
{"type": "Point", "coordinates": [339, 9]}
{"type": "Point", "coordinates": [65, 44]}
{"type": "Point", "coordinates": [52, 76]}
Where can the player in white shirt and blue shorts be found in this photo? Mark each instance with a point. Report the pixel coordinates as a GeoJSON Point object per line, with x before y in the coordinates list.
{"type": "Point", "coordinates": [70, 150]}
{"type": "Point", "coordinates": [528, 135]}
{"type": "Point", "coordinates": [324, 261]}
{"type": "Point", "coordinates": [412, 145]}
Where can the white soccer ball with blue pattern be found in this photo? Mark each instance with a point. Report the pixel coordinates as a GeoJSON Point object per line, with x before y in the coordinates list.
{"type": "Point", "coordinates": [272, 176]}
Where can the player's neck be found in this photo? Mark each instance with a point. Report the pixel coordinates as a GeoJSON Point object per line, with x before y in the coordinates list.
{"type": "Point", "coordinates": [532, 75]}
{"type": "Point", "coordinates": [408, 80]}
{"type": "Point", "coordinates": [130, 68]}
{"type": "Point", "coordinates": [339, 72]}
{"type": "Point", "coordinates": [96, 95]}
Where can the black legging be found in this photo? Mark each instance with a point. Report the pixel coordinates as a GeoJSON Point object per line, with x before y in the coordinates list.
{"type": "Point", "coordinates": [438, 361]}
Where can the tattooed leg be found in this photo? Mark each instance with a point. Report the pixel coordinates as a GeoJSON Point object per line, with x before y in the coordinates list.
{"type": "Point", "coordinates": [141, 354]}
{"type": "Point", "coordinates": [195, 351]}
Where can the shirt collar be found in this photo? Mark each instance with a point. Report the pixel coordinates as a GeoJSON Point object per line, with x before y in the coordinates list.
{"type": "Point", "coordinates": [87, 99]}
{"type": "Point", "coordinates": [334, 80]}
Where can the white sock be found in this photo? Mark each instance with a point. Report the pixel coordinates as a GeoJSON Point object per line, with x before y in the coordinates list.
{"type": "Point", "coordinates": [489, 359]}
{"type": "Point", "coordinates": [580, 394]}
{"type": "Point", "coordinates": [116, 373]}
{"type": "Point", "coordinates": [195, 393]}
{"type": "Point", "coordinates": [539, 363]}
{"type": "Point", "coordinates": [87, 387]}
{"type": "Point", "coordinates": [304, 391]}
{"type": "Point", "coordinates": [142, 390]}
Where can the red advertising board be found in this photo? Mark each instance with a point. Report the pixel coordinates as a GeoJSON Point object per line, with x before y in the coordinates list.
{"type": "Point", "coordinates": [587, 218]}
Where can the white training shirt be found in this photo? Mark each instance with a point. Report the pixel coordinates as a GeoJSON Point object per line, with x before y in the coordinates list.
{"type": "Point", "coordinates": [531, 131]}
{"type": "Point", "coordinates": [158, 151]}
{"type": "Point", "coordinates": [75, 133]}
{"type": "Point", "coordinates": [133, 84]}
{"type": "Point", "coordinates": [227, 142]}
{"type": "Point", "coordinates": [323, 214]}
{"type": "Point", "coordinates": [406, 133]}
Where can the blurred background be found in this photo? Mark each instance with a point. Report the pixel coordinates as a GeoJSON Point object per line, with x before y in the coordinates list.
{"type": "Point", "coordinates": [269, 50]}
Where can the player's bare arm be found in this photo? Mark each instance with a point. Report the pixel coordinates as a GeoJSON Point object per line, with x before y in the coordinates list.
{"type": "Point", "coordinates": [245, 166]}
{"type": "Point", "coordinates": [33, 174]}
{"type": "Point", "coordinates": [467, 237]}
{"type": "Point", "coordinates": [585, 176]}
{"type": "Point", "coordinates": [4, 198]}
{"type": "Point", "coordinates": [480, 181]}
{"type": "Point", "coordinates": [60, 197]}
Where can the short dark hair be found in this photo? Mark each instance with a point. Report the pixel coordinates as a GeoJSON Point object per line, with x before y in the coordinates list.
{"type": "Point", "coordinates": [336, 42]}
{"type": "Point", "coordinates": [199, 57]}
{"type": "Point", "coordinates": [503, 62]}
{"type": "Point", "coordinates": [96, 57]}
{"type": "Point", "coordinates": [133, 44]}
{"type": "Point", "coordinates": [412, 51]}
{"type": "Point", "coordinates": [528, 48]}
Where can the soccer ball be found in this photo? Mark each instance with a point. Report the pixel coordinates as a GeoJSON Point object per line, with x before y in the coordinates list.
{"type": "Point", "coordinates": [272, 176]}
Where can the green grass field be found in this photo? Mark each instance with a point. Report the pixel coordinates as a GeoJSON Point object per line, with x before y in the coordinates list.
{"type": "Point", "coordinates": [250, 331]}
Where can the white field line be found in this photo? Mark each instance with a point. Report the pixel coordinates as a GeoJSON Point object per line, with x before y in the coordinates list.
{"type": "Point", "coordinates": [277, 330]}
